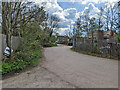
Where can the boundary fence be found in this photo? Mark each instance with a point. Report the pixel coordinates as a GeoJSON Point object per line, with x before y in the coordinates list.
{"type": "Point", "coordinates": [15, 43]}
{"type": "Point", "coordinates": [99, 47]}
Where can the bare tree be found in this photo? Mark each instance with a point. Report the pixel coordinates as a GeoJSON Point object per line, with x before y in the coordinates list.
{"type": "Point", "coordinates": [86, 22]}
{"type": "Point", "coordinates": [111, 13]}
{"type": "Point", "coordinates": [118, 22]}
{"type": "Point", "coordinates": [68, 33]}
{"type": "Point", "coordinates": [15, 15]}
{"type": "Point", "coordinates": [93, 27]}
{"type": "Point", "coordinates": [107, 19]}
{"type": "Point", "coordinates": [53, 24]}
{"type": "Point", "coordinates": [41, 15]}
{"type": "Point", "coordinates": [79, 27]}
{"type": "Point", "coordinates": [100, 18]}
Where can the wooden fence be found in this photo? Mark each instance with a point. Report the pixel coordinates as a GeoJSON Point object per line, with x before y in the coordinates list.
{"type": "Point", "coordinates": [99, 47]}
{"type": "Point", "coordinates": [15, 43]}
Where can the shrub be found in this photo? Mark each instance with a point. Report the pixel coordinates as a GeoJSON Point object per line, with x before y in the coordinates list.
{"type": "Point", "coordinates": [19, 64]}
{"type": "Point", "coordinates": [49, 45]}
{"type": "Point", "coordinates": [28, 53]}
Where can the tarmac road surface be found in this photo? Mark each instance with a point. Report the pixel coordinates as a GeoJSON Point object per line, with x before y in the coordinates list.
{"type": "Point", "coordinates": [64, 68]}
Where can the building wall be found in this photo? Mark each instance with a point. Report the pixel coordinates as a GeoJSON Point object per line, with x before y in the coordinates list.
{"type": "Point", "coordinates": [101, 35]}
{"type": "Point", "coordinates": [62, 39]}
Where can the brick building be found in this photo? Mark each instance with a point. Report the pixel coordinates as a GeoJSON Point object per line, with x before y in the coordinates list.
{"type": "Point", "coordinates": [97, 35]}
{"type": "Point", "coordinates": [102, 35]}
{"type": "Point", "coordinates": [62, 39]}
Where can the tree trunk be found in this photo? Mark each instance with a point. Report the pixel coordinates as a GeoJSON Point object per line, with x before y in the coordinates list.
{"type": "Point", "coordinates": [8, 42]}
{"type": "Point", "coordinates": [92, 41]}
{"type": "Point", "coordinates": [51, 33]}
{"type": "Point", "coordinates": [0, 45]}
{"type": "Point", "coordinates": [92, 37]}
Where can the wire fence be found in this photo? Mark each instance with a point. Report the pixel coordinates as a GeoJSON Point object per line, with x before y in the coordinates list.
{"type": "Point", "coordinates": [99, 47]}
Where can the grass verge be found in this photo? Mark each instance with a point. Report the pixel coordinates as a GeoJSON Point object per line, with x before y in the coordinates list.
{"type": "Point", "coordinates": [95, 54]}
{"type": "Point", "coordinates": [21, 61]}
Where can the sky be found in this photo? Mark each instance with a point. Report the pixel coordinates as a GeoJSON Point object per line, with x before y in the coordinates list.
{"type": "Point", "coordinates": [69, 10]}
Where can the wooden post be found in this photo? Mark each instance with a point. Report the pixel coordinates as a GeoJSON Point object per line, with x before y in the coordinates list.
{"type": "Point", "coordinates": [110, 49]}
{"type": "Point", "coordinates": [0, 44]}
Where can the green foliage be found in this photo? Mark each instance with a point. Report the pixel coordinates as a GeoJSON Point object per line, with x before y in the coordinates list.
{"type": "Point", "coordinates": [49, 45]}
{"type": "Point", "coordinates": [118, 36]}
{"type": "Point", "coordinates": [22, 61]}
{"type": "Point", "coordinates": [94, 54]}
{"type": "Point", "coordinates": [53, 39]}
{"type": "Point", "coordinates": [29, 51]}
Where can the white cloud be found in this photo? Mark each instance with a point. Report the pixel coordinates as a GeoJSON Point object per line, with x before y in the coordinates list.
{"type": "Point", "coordinates": [91, 9]}
{"type": "Point", "coordinates": [65, 16]}
{"type": "Point", "coordinates": [71, 13]}
{"type": "Point", "coordinates": [62, 31]}
{"type": "Point", "coordinates": [84, 2]}
{"type": "Point", "coordinates": [68, 16]}
{"type": "Point", "coordinates": [87, 1]}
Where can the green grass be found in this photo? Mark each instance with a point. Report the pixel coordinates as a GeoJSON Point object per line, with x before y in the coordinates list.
{"type": "Point", "coordinates": [22, 61]}
{"type": "Point", "coordinates": [95, 54]}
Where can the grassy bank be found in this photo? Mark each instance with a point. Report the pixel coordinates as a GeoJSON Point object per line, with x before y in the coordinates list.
{"type": "Point", "coordinates": [20, 61]}
{"type": "Point", "coordinates": [29, 52]}
{"type": "Point", "coordinates": [95, 54]}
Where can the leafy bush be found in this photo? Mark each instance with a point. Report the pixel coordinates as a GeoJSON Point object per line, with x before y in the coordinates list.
{"type": "Point", "coordinates": [28, 53]}
{"type": "Point", "coordinates": [53, 39]}
{"type": "Point", "coordinates": [49, 45]}
{"type": "Point", "coordinates": [19, 64]}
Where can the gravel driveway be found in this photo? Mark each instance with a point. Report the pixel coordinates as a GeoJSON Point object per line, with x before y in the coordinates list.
{"type": "Point", "coordinates": [64, 68]}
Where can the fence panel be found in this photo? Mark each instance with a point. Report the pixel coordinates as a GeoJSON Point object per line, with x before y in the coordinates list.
{"type": "Point", "coordinates": [99, 47]}
{"type": "Point", "coordinates": [15, 43]}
